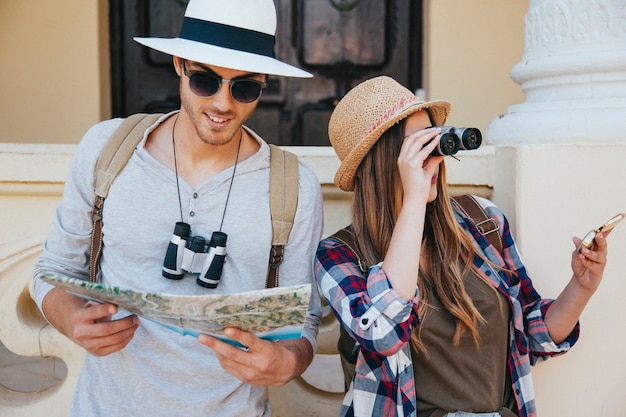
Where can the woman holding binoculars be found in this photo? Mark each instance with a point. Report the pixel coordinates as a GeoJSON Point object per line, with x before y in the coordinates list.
{"type": "Point", "coordinates": [446, 323]}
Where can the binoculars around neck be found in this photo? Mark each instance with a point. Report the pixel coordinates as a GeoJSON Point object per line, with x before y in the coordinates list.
{"type": "Point", "coordinates": [187, 254]}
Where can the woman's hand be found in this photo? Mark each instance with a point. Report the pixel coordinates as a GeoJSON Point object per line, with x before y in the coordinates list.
{"type": "Point", "coordinates": [588, 265]}
{"type": "Point", "coordinates": [416, 166]}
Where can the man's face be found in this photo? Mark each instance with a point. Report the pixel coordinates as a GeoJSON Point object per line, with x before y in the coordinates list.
{"type": "Point", "coordinates": [218, 118]}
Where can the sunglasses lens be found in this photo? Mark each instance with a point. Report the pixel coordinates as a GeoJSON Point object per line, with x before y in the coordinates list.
{"type": "Point", "coordinates": [204, 85]}
{"type": "Point", "coordinates": [207, 85]}
{"type": "Point", "coordinates": [245, 91]}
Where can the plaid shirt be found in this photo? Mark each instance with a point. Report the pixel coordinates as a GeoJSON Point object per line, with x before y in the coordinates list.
{"type": "Point", "coordinates": [381, 322]}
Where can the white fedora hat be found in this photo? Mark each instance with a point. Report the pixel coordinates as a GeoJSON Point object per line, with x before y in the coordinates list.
{"type": "Point", "coordinates": [235, 34]}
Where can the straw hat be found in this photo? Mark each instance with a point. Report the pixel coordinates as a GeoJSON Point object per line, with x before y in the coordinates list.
{"type": "Point", "coordinates": [368, 110]}
{"type": "Point", "coordinates": [235, 34]}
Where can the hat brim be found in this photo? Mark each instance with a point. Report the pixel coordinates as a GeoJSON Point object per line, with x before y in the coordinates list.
{"type": "Point", "coordinates": [344, 177]}
{"type": "Point", "coordinates": [222, 57]}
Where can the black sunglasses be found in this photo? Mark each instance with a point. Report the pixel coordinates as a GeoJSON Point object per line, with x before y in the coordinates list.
{"type": "Point", "coordinates": [206, 84]}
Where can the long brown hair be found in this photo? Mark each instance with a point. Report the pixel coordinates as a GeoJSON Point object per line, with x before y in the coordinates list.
{"type": "Point", "coordinates": [377, 201]}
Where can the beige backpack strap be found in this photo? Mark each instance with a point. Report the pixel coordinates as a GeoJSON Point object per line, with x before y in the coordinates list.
{"type": "Point", "coordinates": [111, 161]}
{"type": "Point", "coordinates": [119, 149]}
{"type": "Point", "coordinates": [283, 204]}
{"type": "Point", "coordinates": [487, 226]}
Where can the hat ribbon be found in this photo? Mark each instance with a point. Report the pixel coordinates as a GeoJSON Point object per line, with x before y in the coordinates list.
{"type": "Point", "coordinates": [393, 111]}
{"type": "Point", "coordinates": [227, 36]}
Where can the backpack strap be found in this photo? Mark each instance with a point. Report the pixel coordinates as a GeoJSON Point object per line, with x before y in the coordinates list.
{"type": "Point", "coordinates": [486, 226]}
{"type": "Point", "coordinates": [346, 237]}
{"type": "Point", "coordinates": [283, 205]}
{"type": "Point", "coordinates": [114, 156]}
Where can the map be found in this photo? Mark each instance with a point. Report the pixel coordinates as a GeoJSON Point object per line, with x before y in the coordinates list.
{"type": "Point", "coordinates": [274, 313]}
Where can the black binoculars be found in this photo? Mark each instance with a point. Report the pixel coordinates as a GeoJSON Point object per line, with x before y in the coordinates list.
{"type": "Point", "coordinates": [453, 139]}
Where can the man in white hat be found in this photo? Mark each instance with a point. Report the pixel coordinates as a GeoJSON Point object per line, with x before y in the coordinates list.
{"type": "Point", "coordinates": [200, 166]}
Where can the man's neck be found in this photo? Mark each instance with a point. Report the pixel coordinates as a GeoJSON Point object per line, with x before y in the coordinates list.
{"type": "Point", "coordinates": [196, 160]}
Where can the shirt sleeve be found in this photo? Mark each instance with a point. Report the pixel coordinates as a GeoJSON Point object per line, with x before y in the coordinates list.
{"type": "Point", "coordinates": [529, 308]}
{"type": "Point", "coordinates": [66, 249]}
{"type": "Point", "coordinates": [376, 316]}
{"type": "Point", "coordinates": [300, 250]}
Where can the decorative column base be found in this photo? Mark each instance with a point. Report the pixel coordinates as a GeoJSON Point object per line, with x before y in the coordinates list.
{"type": "Point", "coordinates": [573, 73]}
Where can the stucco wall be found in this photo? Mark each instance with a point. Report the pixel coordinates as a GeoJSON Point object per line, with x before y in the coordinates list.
{"type": "Point", "coordinates": [54, 75]}
{"type": "Point", "coordinates": [470, 48]}
{"type": "Point", "coordinates": [552, 192]}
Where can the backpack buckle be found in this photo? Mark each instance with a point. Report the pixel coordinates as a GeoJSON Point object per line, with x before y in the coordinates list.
{"type": "Point", "coordinates": [277, 254]}
{"type": "Point", "coordinates": [487, 226]}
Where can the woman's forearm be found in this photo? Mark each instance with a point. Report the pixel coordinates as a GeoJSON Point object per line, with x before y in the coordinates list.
{"type": "Point", "coordinates": [565, 311]}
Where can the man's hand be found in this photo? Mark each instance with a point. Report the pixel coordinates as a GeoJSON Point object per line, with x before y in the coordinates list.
{"type": "Point", "coordinates": [89, 324]}
{"type": "Point", "coordinates": [262, 362]}
{"type": "Point", "coordinates": [94, 330]}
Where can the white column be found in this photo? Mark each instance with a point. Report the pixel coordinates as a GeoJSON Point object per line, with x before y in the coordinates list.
{"type": "Point", "coordinates": [573, 72]}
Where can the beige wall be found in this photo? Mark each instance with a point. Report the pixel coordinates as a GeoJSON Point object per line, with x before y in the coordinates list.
{"type": "Point", "coordinates": [54, 76]}
{"type": "Point", "coordinates": [549, 199]}
{"type": "Point", "coordinates": [470, 48]}
{"type": "Point", "coordinates": [55, 67]}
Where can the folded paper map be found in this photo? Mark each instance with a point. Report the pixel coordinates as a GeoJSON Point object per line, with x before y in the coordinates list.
{"type": "Point", "coordinates": [274, 313]}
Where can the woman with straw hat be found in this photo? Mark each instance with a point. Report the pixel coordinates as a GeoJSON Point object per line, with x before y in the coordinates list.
{"type": "Point", "coordinates": [445, 323]}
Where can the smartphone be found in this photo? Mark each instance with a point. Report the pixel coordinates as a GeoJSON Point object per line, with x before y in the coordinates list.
{"type": "Point", "coordinates": [589, 242]}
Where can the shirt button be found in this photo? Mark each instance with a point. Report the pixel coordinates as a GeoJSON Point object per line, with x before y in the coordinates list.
{"type": "Point", "coordinates": [192, 213]}
{"type": "Point", "coordinates": [195, 195]}
{"type": "Point", "coordinates": [364, 321]}
{"type": "Point", "coordinates": [488, 272]}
